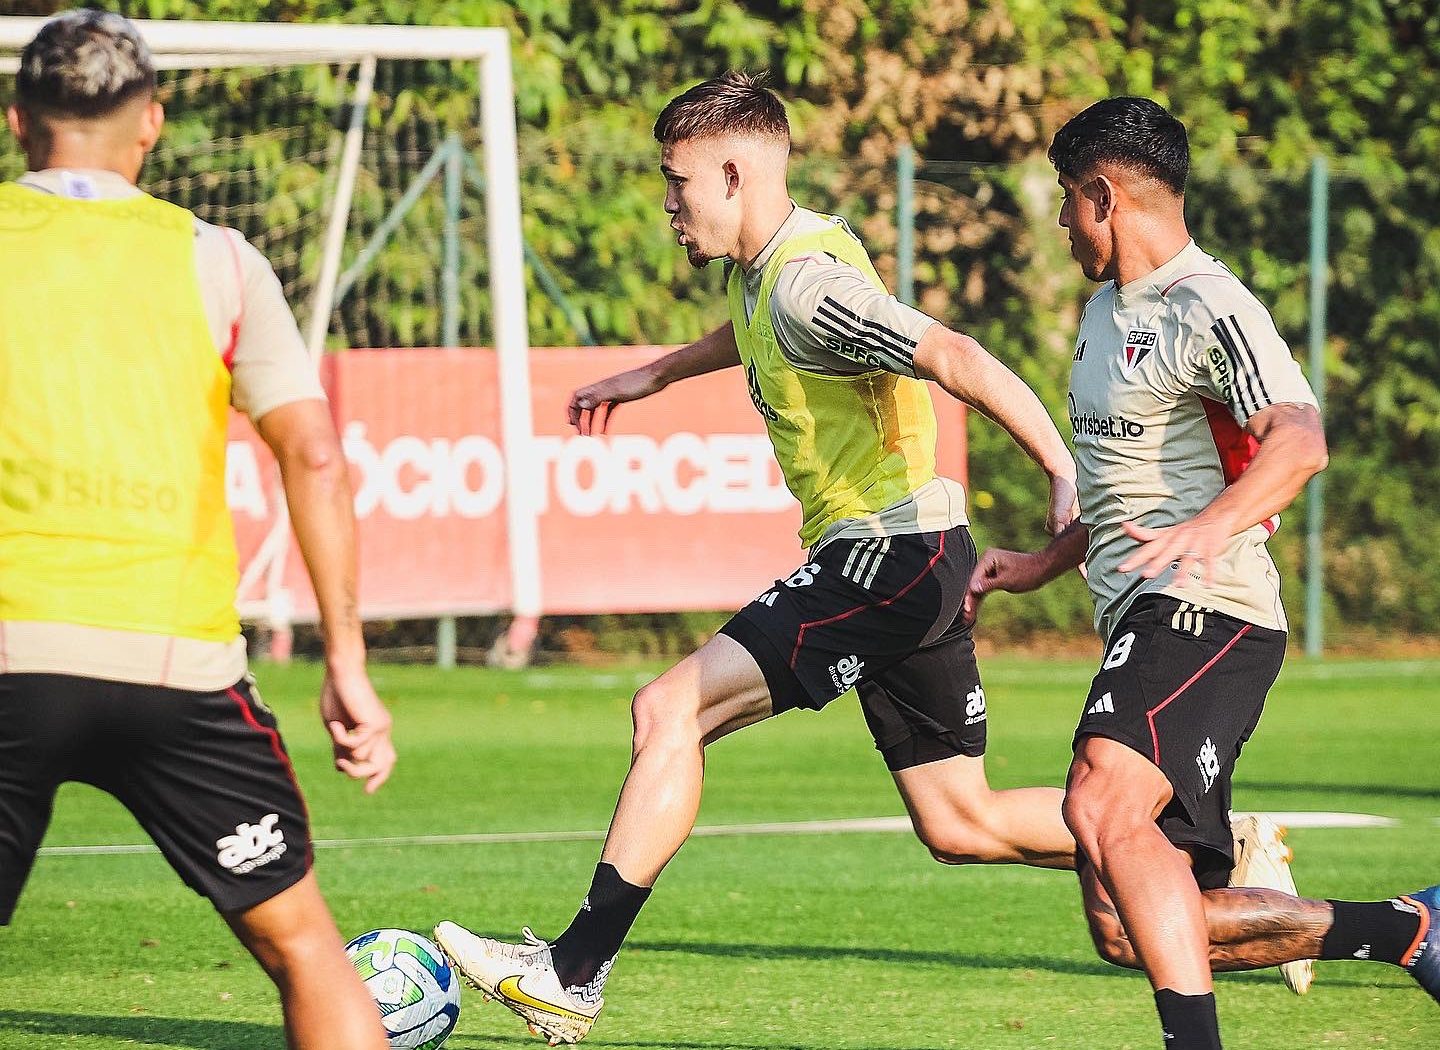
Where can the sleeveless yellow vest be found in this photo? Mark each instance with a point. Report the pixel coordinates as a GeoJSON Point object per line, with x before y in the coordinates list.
{"type": "Point", "coordinates": [113, 403]}
{"type": "Point", "coordinates": [847, 445]}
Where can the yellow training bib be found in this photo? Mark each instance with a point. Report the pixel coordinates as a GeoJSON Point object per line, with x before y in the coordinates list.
{"type": "Point", "coordinates": [113, 407]}
{"type": "Point", "coordinates": [847, 445]}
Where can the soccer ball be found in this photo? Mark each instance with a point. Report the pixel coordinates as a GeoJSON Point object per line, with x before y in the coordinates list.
{"type": "Point", "coordinates": [412, 982]}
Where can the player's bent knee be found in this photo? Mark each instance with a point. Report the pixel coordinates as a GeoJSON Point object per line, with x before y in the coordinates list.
{"type": "Point", "coordinates": [1111, 943]}
{"type": "Point", "coordinates": [1083, 811]}
{"type": "Point", "coordinates": [662, 715]}
{"type": "Point", "coordinates": [1100, 803]}
{"type": "Point", "coordinates": [958, 841]}
{"type": "Point", "coordinates": [1117, 951]}
{"type": "Point", "coordinates": [950, 850]}
{"type": "Point", "coordinates": [958, 853]}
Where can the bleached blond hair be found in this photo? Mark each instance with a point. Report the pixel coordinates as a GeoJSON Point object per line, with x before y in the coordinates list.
{"type": "Point", "coordinates": [84, 64]}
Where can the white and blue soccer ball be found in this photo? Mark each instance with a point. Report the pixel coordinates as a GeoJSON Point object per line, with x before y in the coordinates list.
{"type": "Point", "coordinates": [413, 984]}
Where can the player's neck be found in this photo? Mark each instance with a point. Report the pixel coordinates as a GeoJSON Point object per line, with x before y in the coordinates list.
{"type": "Point", "coordinates": [760, 227]}
{"type": "Point", "coordinates": [1146, 250]}
{"type": "Point", "coordinates": [84, 157]}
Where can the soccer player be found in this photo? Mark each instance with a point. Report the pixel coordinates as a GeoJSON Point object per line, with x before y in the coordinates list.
{"type": "Point", "coordinates": [835, 366]}
{"type": "Point", "coordinates": [1193, 429]}
{"type": "Point", "coordinates": [127, 330]}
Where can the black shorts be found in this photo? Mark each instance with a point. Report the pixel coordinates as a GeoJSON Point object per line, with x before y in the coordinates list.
{"type": "Point", "coordinates": [1185, 686]}
{"type": "Point", "coordinates": [882, 614]}
{"type": "Point", "coordinates": [205, 774]}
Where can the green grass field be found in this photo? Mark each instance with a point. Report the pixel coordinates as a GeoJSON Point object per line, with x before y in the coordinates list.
{"type": "Point", "coordinates": [782, 942]}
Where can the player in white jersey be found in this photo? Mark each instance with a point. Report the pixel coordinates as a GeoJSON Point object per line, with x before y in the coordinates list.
{"type": "Point", "coordinates": [1193, 429]}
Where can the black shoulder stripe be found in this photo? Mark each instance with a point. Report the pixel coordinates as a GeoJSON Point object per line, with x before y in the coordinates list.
{"type": "Point", "coordinates": [862, 340]}
{"type": "Point", "coordinates": [1237, 389]}
{"type": "Point", "coordinates": [824, 312]}
{"type": "Point", "coordinates": [1250, 354]}
{"type": "Point", "coordinates": [1243, 364]}
{"type": "Point", "coordinates": [832, 322]}
{"type": "Point", "coordinates": [868, 323]}
{"type": "Point", "coordinates": [1242, 382]}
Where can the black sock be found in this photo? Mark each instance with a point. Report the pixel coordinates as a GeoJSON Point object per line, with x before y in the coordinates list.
{"type": "Point", "coordinates": [1379, 930]}
{"type": "Point", "coordinates": [1189, 1021]}
{"type": "Point", "coordinates": [599, 928]}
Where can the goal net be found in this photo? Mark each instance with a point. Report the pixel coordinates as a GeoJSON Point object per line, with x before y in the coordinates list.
{"type": "Point", "coordinates": [375, 167]}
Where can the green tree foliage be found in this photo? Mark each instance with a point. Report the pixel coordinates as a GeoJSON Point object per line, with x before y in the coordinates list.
{"type": "Point", "coordinates": [979, 88]}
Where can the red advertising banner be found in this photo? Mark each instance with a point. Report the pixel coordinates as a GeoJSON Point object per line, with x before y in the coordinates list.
{"type": "Point", "coordinates": [680, 506]}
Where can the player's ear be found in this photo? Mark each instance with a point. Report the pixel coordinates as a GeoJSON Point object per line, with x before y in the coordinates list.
{"type": "Point", "coordinates": [731, 171]}
{"type": "Point", "coordinates": [151, 124]}
{"type": "Point", "coordinates": [1101, 192]}
{"type": "Point", "coordinates": [18, 128]}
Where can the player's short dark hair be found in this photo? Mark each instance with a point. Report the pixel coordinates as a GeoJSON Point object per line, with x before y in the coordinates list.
{"type": "Point", "coordinates": [84, 64]}
{"type": "Point", "coordinates": [1130, 132]}
{"type": "Point", "coordinates": [734, 103]}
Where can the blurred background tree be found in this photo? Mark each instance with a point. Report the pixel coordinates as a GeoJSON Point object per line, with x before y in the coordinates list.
{"type": "Point", "coordinates": [978, 89]}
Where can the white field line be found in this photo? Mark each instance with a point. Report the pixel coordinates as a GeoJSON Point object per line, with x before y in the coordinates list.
{"type": "Point", "coordinates": [804, 827]}
{"type": "Point", "coordinates": [1329, 820]}
{"type": "Point", "coordinates": [627, 680]}
{"type": "Point", "coordinates": [1036, 672]}
{"type": "Point", "coordinates": [1300, 670]}
{"type": "Point", "coordinates": [1296, 671]}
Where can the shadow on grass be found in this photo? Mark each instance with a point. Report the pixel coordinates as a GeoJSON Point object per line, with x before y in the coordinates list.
{"type": "Point", "coordinates": [1077, 967]}
{"type": "Point", "coordinates": [1378, 790]}
{"type": "Point", "coordinates": [476, 1042]}
{"type": "Point", "coordinates": [817, 952]}
{"type": "Point", "coordinates": [144, 1030]}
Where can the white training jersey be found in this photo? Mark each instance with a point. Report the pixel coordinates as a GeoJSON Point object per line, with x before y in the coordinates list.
{"type": "Point", "coordinates": [1167, 371]}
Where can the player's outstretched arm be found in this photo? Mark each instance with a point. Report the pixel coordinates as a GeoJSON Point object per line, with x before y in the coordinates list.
{"type": "Point", "coordinates": [967, 371]}
{"type": "Point", "coordinates": [1292, 451]}
{"type": "Point", "coordinates": [317, 489]}
{"type": "Point", "coordinates": [1021, 571]}
{"type": "Point", "coordinates": [592, 406]}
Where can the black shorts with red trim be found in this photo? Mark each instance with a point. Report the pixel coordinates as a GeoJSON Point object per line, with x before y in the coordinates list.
{"type": "Point", "coordinates": [205, 774]}
{"type": "Point", "coordinates": [881, 614]}
{"type": "Point", "coordinates": [1184, 686]}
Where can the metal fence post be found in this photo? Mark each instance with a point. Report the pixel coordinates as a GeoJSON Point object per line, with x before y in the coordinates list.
{"type": "Point", "coordinates": [450, 332]}
{"type": "Point", "coordinates": [450, 271]}
{"type": "Point", "coordinates": [1315, 504]}
{"type": "Point", "coordinates": [445, 642]}
{"type": "Point", "coordinates": [905, 224]}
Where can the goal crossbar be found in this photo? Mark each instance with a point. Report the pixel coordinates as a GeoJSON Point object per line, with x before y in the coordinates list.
{"type": "Point", "coordinates": [312, 42]}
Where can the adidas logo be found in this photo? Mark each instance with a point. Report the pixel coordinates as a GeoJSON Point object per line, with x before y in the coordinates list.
{"type": "Point", "coordinates": [1104, 706]}
{"type": "Point", "coordinates": [1363, 952]}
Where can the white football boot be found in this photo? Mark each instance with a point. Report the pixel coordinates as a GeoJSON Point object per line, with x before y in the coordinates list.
{"type": "Point", "coordinates": [1262, 860]}
{"type": "Point", "coordinates": [522, 978]}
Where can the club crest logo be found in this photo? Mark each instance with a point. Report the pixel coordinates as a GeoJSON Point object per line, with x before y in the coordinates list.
{"type": "Point", "coordinates": [1139, 344]}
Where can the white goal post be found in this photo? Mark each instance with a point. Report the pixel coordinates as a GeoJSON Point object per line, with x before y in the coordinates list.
{"type": "Point", "coordinates": [181, 45]}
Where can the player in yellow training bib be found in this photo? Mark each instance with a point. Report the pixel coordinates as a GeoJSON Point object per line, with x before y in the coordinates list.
{"type": "Point", "coordinates": [128, 329]}
{"type": "Point", "coordinates": [836, 367]}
